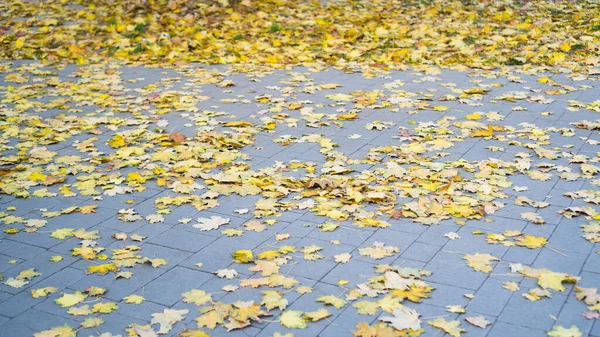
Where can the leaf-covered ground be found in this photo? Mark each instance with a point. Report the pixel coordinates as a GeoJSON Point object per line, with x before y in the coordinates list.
{"type": "Point", "coordinates": [378, 33]}
{"type": "Point", "coordinates": [356, 169]}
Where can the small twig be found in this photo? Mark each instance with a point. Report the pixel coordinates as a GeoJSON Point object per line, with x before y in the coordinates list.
{"type": "Point", "coordinates": [424, 318]}
{"type": "Point", "coordinates": [511, 275]}
{"type": "Point", "coordinates": [452, 252]}
{"type": "Point", "coordinates": [558, 252]}
{"type": "Point", "coordinates": [92, 301]}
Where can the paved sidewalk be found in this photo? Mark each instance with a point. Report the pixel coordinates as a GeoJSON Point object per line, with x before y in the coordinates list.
{"type": "Point", "coordinates": [195, 164]}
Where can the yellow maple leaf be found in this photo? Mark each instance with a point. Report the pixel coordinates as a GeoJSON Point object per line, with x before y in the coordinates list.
{"type": "Point", "coordinates": [105, 308]}
{"type": "Point", "coordinates": [193, 333]}
{"type": "Point", "coordinates": [332, 300]}
{"type": "Point", "coordinates": [376, 330]}
{"type": "Point", "coordinates": [473, 117]}
{"type": "Point", "coordinates": [366, 307]}
{"type": "Point", "coordinates": [43, 292]}
{"type": "Point", "coordinates": [116, 141]}
{"type": "Point", "coordinates": [293, 319]}
{"type": "Point", "coordinates": [559, 331]}
{"type": "Point", "coordinates": [273, 299]}
{"type": "Point", "coordinates": [88, 209]}
{"type": "Point", "coordinates": [196, 296]}
{"type": "Point", "coordinates": [483, 133]}
{"type": "Point", "coordinates": [101, 269]}
{"type": "Point", "coordinates": [243, 256]}
{"type": "Point", "coordinates": [549, 279]}
{"type": "Point", "coordinates": [480, 262]}
{"type": "Point", "coordinates": [531, 241]}
{"type": "Point", "coordinates": [135, 299]}
{"type": "Point", "coordinates": [450, 327]}
{"type": "Point", "coordinates": [57, 331]}
{"type": "Point", "coordinates": [68, 300]}
{"type": "Point", "coordinates": [268, 255]}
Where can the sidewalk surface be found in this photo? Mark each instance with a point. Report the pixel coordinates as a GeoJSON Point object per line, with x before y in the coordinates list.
{"type": "Point", "coordinates": [126, 190]}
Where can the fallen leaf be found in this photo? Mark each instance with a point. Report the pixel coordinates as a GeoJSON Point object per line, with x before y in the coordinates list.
{"type": "Point", "coordinates": [480, 262]}
{"type": "Point", "coordinates": [450, 327]}
{"type": "Point", "coordinates": [292, 319]}
{"type": "Point", "coordinates": [478, 321]}
{"type": "Point", "coordinates": [167, 319]}
{"type": "Point", "coordinates": [559, 331]}
{"type": "Point", "coordinates": [403, 318]}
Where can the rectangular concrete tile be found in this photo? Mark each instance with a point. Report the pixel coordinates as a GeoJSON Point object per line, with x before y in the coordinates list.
{"type": "Point", "coordinates": [167, 288]}
{"type": "Point", "coordinates": [183, 240]}
{"type": "Point", "coordinates": [33, 321]}
{"type": "Point", "coordinates": [501, 329]}
{"type": "Point", "coordinates": [536, 315]}
{"type": "Point", "coordinates": [451, 269]}
{"type": "Point", "coordinates": [490, 298]}
{"type": "Point", "coordinates": [567, 263]}
{"type": "Point", "coordinates": [420, 251]}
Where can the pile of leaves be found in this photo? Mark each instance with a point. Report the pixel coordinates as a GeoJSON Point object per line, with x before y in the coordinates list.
{"type": "Point", "coordinates": [376, 33]}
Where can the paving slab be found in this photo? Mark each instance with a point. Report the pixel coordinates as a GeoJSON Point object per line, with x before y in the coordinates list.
{"type": "Point", "coordinates": [280, 168]}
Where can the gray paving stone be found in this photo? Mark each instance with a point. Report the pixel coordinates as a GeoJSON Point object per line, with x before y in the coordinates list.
{"type": "Point", "coordinates": [389, 238]}
{"type": "Point", "coordinates": [19, 250]}
{"type": "Point", "coordinates": [595, 329]}
{"type": "Point", "coordinates": [550, 214]}
{"type": "Point", "coordinates": [520, 255]}
{"type": "Point", "coordinates": [536, 315]}
{"type": "Point", "coordinates": [307, 302]}
{"type": "Point", "coordinates": [571, 314]}
{"type": "Point", "coordinates": [114, 323]}
{"type": "Point", "coordinates": [24, 325]}
{"type": "Point", "coordinates": [167, 288]}
{"type": "Point", "coordinates": [592, 264]}
{"type": "Point", "coordinates": [212, 256]}
{"type": "Point", "coordinates": [434, 235]}
{"type": "Point", "coordinates": [567, 238]}
{"type": "Point", "coordinates": [64, 247]}
{"type": "Point", "coordinates": [355, 271]}
{"type": "Point", "coordinates": [407, 263]}
{"type": "Point", "coordinates": [420, 252]}
{"type": "Point", "coordinates": [344, 322]}
{"type": "Point", "coordinates": [470, 243]}
{"type": "Point", "coordinates": [589, 280]}
{"type": "Point", "coordinates": [347, 235]}
{"type": "Point", "coordinates": [444, 295]}
{"type": "Point", "coordinates": [8, 262]}
{"type": "Point", "coordinates": [501, 329]}
{"type": "Point", "coordinates": [498, 225]}
{"type": "Point", "coordinates": [41, 265]}
{"type": "Point", "coordinates": [142, 311]}
{"type": "Point", "coordinates": [40, 240]}
{"type": "Point", "coordinates": [316, 270]}
{"type": "Point", "coordinates": [117, 202]}
{"type": "Point", "coordinates": [421, 246]}
{"type": "Point", "coordinates": [429, 313]}
{"type": "Point", "coordinates": [556, 197]}
{"type": "Point", "coordinates": [567, 263]}
{"type": "Point", "coordinates": [120, 226]}
{"type": "Point", "coordinates": [476, 331]}
{"type": "Point", "coordinates": [403, 225]}
{"type": "Point", "coordinates": [490, 298]}
{"type": "Point", "coordinates": [451, 269]}
{"type": "Point", "coordinates": [183, 240]}
{"type": "Point", "coordinates": [119, 288]}
{"type": "Point", "coordinates": [17, 304]}
{"type": "Point", "coordinates": [310, 331]}
{"type": "Point", "coordinates": [4, 296]}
